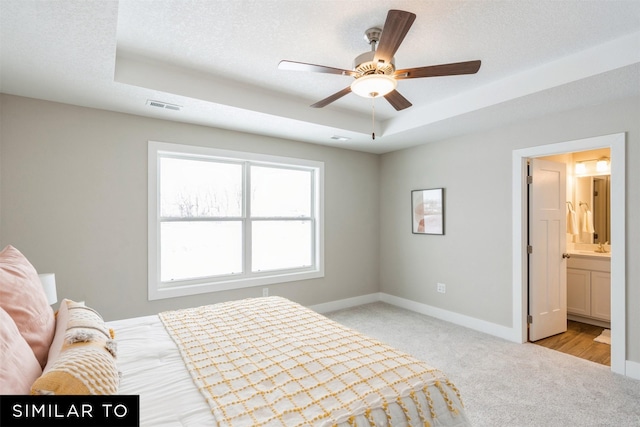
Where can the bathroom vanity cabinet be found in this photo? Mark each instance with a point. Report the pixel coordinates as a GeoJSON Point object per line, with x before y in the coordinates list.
{"type": "Point", "coordinates": [589, 289]}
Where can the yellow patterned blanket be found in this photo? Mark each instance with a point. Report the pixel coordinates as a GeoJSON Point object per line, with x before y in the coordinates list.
{"type": "Point", "coordinates": [271, 362]}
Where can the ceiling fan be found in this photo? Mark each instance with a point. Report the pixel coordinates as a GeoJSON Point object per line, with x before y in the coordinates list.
{"type": "Point", "coordinates": [375, 72]}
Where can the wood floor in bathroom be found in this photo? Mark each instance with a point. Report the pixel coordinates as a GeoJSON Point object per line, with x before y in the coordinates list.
{"type": "Point", "coordinates": [578, 341]}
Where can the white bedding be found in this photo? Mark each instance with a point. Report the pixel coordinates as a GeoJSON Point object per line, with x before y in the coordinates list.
{"type": "Point", "coordinates": [152, 367]}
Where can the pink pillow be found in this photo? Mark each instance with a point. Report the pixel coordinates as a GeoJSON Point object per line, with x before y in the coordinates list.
{"type": "Point", "coordinates": [24, 299]}
{"type": "Point", "coordinates": [19, 368]}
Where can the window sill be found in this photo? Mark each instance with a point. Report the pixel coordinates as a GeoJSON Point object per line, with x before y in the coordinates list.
{"type": "Point", "coordinates": [157, 292]}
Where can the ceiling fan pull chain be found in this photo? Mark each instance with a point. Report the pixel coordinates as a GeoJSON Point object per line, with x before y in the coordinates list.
{"type": "Point", "coordinates": [373, 118]}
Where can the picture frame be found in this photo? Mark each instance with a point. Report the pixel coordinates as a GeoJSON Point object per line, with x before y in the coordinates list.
{"type": "Point", "coordinates": [427, 211]}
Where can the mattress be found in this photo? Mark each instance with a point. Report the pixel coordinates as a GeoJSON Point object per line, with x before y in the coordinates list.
{"type": "Point", "coordinates": [155, 364]}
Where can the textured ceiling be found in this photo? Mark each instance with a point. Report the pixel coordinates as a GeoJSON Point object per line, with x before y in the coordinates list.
{"type": "Point", "coordinates": [218, 60]}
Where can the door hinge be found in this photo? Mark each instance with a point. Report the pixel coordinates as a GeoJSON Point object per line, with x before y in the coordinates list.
{"type": "Point", "coordinates": [529, 179]}
{"type": "Point", "coordinates": [529, 319]}
{"type": "Point", "coordinates": [529, 249]}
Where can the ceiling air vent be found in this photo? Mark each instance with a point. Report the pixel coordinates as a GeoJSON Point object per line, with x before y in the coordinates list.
{"type": "Point", "coordinates": [165, 105]}
{"type": "Point", "coordinates": [340, 138]}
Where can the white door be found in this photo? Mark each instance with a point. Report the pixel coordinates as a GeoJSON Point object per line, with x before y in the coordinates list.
{"type": "Point", "coordinates": [547, 241]}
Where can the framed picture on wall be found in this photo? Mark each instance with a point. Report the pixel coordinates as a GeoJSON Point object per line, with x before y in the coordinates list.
{"type": "Point", "coordinates": [427, 211]}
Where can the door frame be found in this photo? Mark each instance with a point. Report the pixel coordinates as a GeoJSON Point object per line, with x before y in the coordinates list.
{"type": "Point", "coordinates": [616, 143]}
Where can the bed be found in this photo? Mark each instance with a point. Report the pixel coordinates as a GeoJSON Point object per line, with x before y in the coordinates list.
{"type": "Point", "coordinates": [253, 362]}
{"type": "Point", "coordinates": [270, 361]}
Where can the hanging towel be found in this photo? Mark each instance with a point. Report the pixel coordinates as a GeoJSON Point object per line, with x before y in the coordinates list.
{"type": "Point", "coordinates": [572, 222]}
{"type": "Point", "coordinates": [587, 222]}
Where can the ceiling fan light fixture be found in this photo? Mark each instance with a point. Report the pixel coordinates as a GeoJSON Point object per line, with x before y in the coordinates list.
{"type": "Point", "coordinates": [375, 71]}
{"type": "Point", "coordinates": [373, 85]}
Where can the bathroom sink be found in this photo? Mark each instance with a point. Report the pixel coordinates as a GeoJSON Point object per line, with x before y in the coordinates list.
{"type": "Point", "coordinates": [591, 253]}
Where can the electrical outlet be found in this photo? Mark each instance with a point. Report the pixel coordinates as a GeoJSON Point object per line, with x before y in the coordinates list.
{"type": "Point", "coordinates": [265, 292]}
{"type": "Point", "coordinates": [442, 288]}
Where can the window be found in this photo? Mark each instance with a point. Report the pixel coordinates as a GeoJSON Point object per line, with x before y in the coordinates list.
{"type": "Point", "coordinates": [223, 220]}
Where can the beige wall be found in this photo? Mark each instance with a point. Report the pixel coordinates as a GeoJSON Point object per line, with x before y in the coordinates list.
{"type": "Point", "coordinates": [474, 257]}
{"type": "Point", "coordinates": [74, 201]}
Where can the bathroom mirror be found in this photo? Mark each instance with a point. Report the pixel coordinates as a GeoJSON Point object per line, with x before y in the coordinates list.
{"type": "Point", "coordinates": [592, 193]}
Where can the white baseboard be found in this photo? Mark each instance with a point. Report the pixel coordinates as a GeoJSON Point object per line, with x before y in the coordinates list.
{"type": "Point", "coordinates": [345, 303]}
{"type": "Point", "coordinates": [632, 370]}
{"type": "Point", "coordinates": [449, 316]}
{"type": "Point", "coordinates": [455, 318]}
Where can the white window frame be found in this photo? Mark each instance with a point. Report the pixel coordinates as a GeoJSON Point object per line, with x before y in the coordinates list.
{"type": "Point", "coordinates": [160, 290]}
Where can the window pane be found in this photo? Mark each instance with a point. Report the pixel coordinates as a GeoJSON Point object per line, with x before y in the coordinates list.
{"type": "Point", "coordinates": [196, 188]}
{"type": "Point", "coordinates": [280, 244]}
{"type": "Point", "coordinates": [280, 192]}
{"type": "Point", "coordinates": [200, 249]}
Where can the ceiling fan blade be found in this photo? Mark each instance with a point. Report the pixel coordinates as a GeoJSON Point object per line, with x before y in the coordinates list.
{"type": "Point", "coordinates": [397, 101]}
{"type": "Point", "coordinates": [395, 29]}
{"type": "Point", "coordinates": [302, 66]}
{"type": "Point", "coordinates": [328, 100]}
{"type": "Point", "coordinates": [457, 68]}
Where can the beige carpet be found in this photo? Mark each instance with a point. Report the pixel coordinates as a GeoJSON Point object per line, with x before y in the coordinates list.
{"type": "Point", "coordinates": [505, 384]}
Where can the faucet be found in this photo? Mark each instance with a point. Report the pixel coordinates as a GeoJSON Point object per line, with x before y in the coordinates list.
{"type": "Point", "coordinates": [601, 249]}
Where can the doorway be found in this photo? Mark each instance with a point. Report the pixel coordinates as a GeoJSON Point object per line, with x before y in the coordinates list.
{"type": "Point", "coordinates": [569, 281]}
{"type": "Point", "coordinates": [582, 313]}
{"type": "Point", "coordinates": [616, 143]}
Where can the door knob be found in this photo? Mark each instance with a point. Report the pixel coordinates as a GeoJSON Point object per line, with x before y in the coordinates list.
{"type": "Point", "coordinates": [566, 255]}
